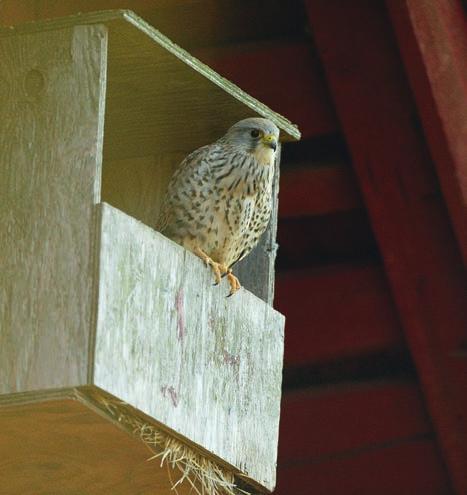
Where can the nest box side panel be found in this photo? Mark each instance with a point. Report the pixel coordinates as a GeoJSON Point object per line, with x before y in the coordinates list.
{"type": "Point", "coordinates": [174, 346]}
{"type": "Point", "coordinates": [52, 90]}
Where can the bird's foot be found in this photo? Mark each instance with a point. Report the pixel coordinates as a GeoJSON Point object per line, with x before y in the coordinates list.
{"type": "Point", "coordinates": [234, 283]}
{"type": "Point", "coordinates": [220, 270]}
{"type": "Point", "coordinates": [217, 268]}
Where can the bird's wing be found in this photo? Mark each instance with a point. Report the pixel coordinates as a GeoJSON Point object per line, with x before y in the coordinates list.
{"type": "Point", "coordinates": [196, 163]}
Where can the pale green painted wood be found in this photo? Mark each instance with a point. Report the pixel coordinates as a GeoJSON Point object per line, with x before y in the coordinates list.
{"type": "Point", "coordinates": [172, 345]}
{"type": "Point", "coordinates": [138, 45]}
{"type": "Point", "coordinates": [52, 89]}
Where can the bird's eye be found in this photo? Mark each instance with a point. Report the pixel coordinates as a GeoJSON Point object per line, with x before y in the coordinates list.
{"type": "Point", "coordinates": [254, 133]}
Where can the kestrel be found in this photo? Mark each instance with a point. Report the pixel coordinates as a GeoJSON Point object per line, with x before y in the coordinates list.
{"type": "Point", "coordinates": [219, 200]}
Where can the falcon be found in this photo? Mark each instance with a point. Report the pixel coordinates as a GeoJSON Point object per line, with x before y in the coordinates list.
{"type": "Point", "coordinates": [219, 200]}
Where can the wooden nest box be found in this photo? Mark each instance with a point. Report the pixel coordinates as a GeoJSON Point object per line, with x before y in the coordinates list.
{"type": "Point", "coordinates": [106, 324]}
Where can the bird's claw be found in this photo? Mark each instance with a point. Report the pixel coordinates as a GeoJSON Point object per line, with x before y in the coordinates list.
{"type": "Point", "coordinates": [220, 270]}
{"type": "Point", "coordinates": [234, 283]}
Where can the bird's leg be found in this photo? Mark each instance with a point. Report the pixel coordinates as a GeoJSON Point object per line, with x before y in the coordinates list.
{"type": "Point", "coordinates": [233, 281]}
{"type": "Point", "coordinates": [219, 270]}
{"type": "Point", "coordinates": [216, 267]}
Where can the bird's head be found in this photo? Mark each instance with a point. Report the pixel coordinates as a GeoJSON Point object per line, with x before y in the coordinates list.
{"type": "Point", "coordinates": [255, 135]}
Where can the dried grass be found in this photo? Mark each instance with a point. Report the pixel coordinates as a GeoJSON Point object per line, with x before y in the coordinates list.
{"type": "Point", "coordinates": [205, 476]}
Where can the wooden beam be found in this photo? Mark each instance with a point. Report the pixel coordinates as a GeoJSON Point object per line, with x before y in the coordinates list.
{"type": "Point", "coordinates": [348, 418]}
{"type": "Point", "coordinates": [309, 190]}
{"type": "Point", "coordinates": [336, 312]}
{"type": "Point", "coordinates": [406, 468]}
{"type": "Point", "coordinates": [297, 90]}
{"type": "Point", "coordinates": [365, 438]}
{"type": "Point", "coordinates": [423, 263]}
{"type": "Point", "coordinates": [432, 38]}
{"type": "Point", "coordinates": [339, 237]}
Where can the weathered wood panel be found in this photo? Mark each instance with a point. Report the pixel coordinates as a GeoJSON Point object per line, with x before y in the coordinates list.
{"type": "Point", "coordinates": [411, 223]}
{"type": "Point", "coordinates": [174, 346]}
{"type": "Point", "coordinates": [51, 123]}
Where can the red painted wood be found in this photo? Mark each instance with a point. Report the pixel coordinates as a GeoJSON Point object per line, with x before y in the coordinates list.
{"type": "Point", "coordinates": [432, 38]}
{"type": "Point", "coordinates": [321, 422]}
{"type": "Point", "coordinates": [285, 75]}
{"type": "Point", "coordinates": [396, 175]}
{"type": "Point", "coordinates": [340, 237]}
{"type": "Point", "coordinates": [407, 468]}
{"type": "Point", "coordinates": [310, 190]}
{"type": "Point", "coordinates": [336, 312]}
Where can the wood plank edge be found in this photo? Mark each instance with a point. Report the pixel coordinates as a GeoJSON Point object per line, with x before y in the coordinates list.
{"type": "Point", "coordinates": [96, 257]}
{"type": "Point", "coordinates": [104, 403]}
{"type": "Point", "coordinates": [290, 131]}
{"type": "Point", "coordinates": [31, 397]}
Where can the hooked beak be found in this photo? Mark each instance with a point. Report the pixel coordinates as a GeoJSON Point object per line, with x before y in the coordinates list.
{"type": "Point", "coordinates": [270, 141]}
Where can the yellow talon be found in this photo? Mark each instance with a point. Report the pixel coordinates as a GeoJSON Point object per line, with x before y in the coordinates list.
{"type": "Point", "coordinates": [216, 267]}
{"type": "Point", "coordinates": [219, 269]}
{"type": "Point", "coordinates": [234, 283]}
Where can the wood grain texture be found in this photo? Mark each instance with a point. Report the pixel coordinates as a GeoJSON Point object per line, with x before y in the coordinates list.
{"type": "Point", "coordinates": [393, 166]}
{"type": "Point", "coordinates": [308, 190]}
{"type": "Point", "coordinates": [361, 439]}
{"type": "Point", "coordinates": [65, 448]}
{"type": "Point", "coordinates": [337, 312]}
{"type": "Point", "coordinates": [167, 99]}
{"type": "Point", "coordinates": [150, 101]}
{"type": "Point", "coordinates": [350, 417]}
{"type": "Point", "coordinates": [432, 39]}
{"type": "Point", "coordinates": [51, 124]}
{"type": "Point", "coordinates": [408, 467]}
{"type": "Point", "coordinates": [172, 345]}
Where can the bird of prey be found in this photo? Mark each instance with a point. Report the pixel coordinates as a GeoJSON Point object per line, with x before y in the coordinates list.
{"type": "Point", "coordinates": [219, 200]}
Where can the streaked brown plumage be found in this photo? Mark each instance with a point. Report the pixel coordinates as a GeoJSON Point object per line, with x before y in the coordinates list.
{"type": "Point", "coordinates": [219, 200]}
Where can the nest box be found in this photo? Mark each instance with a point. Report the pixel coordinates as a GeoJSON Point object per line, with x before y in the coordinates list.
{"type": "Point", "coordinates": [104, 323]}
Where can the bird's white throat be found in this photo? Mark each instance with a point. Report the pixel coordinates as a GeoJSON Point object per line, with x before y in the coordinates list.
{"type": "Point", "coordinates": [264, 155]}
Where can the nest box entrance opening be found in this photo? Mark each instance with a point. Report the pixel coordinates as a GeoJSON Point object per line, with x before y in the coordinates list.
{"type": "Point", "coordinates": [161, 103]}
